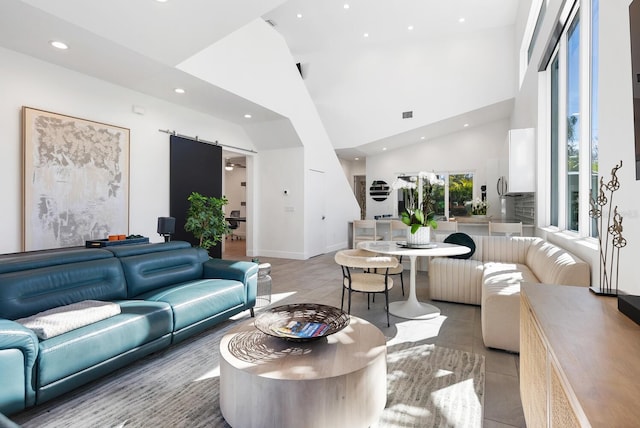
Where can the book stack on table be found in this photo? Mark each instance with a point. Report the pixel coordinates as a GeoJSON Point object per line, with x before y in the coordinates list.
{"type": "Point", "coordinates": [301, 329]}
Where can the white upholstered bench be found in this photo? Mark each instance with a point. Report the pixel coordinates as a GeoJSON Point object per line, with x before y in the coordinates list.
{"type": "Point", "coordinates": [491, 277]}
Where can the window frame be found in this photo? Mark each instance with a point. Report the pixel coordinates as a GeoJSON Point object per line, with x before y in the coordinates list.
{"type": "Point", "coordinates": [574, 10]}
{"type": "Point", "coordinates": [534, 23]}
{"type": "Point", "coordinates": [444, 175]}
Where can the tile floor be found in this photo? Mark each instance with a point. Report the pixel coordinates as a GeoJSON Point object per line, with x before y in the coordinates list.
{"type": "Point", "coordinates": [318, 280]}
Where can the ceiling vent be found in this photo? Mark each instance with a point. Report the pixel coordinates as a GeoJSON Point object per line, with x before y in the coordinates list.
{"type": "Point", "coordinates": [270, 22]}
{"type": "Point", "coordinates": [407, 114]}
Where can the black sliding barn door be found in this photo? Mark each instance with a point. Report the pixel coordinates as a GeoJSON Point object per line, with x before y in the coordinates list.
{"type": "Point", "coordinates": [194, 167]}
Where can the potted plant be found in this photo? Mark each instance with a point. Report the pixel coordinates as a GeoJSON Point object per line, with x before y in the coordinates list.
{"type": "Point", "coordinates": [419, 212]}
{"type": "Point", "coordinates": [479, 208]}
{"type": "Point", "coordinates": [206, 219]}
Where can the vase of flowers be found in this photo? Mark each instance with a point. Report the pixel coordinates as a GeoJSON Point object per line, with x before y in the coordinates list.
{"type": "Point", "coordinates": [419, 213]}
{"type": "Point", "coordinates": [479, 208]}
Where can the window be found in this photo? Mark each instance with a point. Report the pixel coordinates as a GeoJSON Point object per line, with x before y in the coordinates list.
{"type": "Point", "coordinates": [460, 188]}
{"type": "Point", "coordinates": [440, 196]}
{"type": "Point", "coordinates": [449, 196]}
{"type": "Point", "coordinates": [595, 83]}
{"type": "Point", "coordinates": [573, 126]}
{"type": "Point", "coordinates": [555, 179]}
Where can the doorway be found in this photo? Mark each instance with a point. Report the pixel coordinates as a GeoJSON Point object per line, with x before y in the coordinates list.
{"type": "Point", "coordinates": [235, 190]}
{"type": "Point", "coordinates": [194, 167]}
{"type": "Point", "coordinates": [317, 215]}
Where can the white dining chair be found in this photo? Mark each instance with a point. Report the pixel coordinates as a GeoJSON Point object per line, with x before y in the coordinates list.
{"type": "Point", "coordinates": [365, 230]}
{"type": "Point", "coordinates": [375, 279]}
{"type": "Point", "coordinates": [398, 231]}
{"type": "Point", "coordinates": [506, 229]}
{"type": "Point", "coordinates": [445, 226]}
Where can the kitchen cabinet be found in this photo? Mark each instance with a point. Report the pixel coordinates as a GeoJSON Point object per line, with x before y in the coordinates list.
{"type": "Point", "coordinates": [520, 168]}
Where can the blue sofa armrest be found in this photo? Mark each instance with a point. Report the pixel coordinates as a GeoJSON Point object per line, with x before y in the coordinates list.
{"type": "Point", "coordinates": [5, 422]}
{"type": "Point", "coordinates": [18, 353]}
{"type": "Point", "coordinates": [245, 272]}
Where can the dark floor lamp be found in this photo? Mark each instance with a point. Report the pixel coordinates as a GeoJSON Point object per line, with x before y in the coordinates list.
{"type": "Point", "coordinates": [166, 227]}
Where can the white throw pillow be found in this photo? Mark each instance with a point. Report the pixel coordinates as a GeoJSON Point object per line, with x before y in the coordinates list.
{"type": "Point", "coordinates": [62, 319]}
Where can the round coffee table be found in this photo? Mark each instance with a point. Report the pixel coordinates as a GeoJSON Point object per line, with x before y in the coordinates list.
{"type": "Point", "coordinates": [340, 380]}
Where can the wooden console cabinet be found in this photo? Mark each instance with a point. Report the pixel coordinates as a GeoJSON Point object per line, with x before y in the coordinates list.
{"type": "Point", "coordinates": [579, 359]}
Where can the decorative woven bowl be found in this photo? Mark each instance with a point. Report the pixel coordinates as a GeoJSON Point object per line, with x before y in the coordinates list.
{"type": "Point", "coordinates": [276, 319]}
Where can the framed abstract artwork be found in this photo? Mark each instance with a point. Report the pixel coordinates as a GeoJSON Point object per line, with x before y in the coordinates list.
{"type": "Point", "coordinates": [76, 180]}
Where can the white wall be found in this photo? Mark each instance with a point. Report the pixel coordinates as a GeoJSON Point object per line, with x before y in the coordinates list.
{"type": "Point", "coordinates": [25, 81]}
{"type": "Point", "coordinates": [258, 66]}
{"type": "Point", "coordinates": [466, 151]}
{"type": "Point", "coordinates": [281, 216]}
{"type": "Point", "coordinates": [616, 129]}
{"type": "Point", "coordinates": [352, 168]}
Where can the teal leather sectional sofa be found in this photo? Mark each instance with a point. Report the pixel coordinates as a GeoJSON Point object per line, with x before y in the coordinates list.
{"type": "Point", "coordinates": [166, 292]}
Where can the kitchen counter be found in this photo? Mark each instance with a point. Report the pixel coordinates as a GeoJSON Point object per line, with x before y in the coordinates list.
{"type": "Point", "coordinates": [486, 220]}
{"type": "Point", "coordinates": [480, 226]}
{"type": "Point", "coordinates": [468, 225]}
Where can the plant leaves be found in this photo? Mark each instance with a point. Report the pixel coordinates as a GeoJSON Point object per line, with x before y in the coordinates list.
{"type": "Point", "coordinates": [206, 219]}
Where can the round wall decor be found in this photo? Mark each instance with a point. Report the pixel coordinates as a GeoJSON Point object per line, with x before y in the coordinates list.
{"type": "Point", "coordinates": [379, 190]}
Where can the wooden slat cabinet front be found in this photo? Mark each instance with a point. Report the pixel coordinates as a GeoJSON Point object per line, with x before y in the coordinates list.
{"type": "Point", "coordinates": [533, 369]}
{"type": "Point", "coordinates": [547, 397]}
{"type": "Point", "coordinates": [561, 411]}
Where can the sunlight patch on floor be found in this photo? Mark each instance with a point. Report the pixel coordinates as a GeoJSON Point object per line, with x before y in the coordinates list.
{"type": "Point", "coordinates": [210, 374]}
{"type": "Point", "coordinates": [449, 412]}
{"type": "Point", "coordinates": [280, 296]}
{"type": "Point", "coordinates": [409, 414]}
{"type": "Point", "coordinates": [416, 330]}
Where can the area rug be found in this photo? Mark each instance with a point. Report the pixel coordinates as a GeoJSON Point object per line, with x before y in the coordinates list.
{"type": "Point", "coordinates": [428, 386]}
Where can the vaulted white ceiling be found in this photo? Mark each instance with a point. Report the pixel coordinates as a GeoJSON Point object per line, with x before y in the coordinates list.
{"type": "Point", "coordinates": [137, 44]}
{"type": "Point", "coordinates": [451, 63]}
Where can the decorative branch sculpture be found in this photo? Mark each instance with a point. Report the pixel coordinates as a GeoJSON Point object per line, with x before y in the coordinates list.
{"type": "Point", "coordinates": [608, 277]}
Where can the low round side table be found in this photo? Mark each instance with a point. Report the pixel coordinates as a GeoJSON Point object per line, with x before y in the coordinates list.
{"type": "Point", "coordinates": [263, 295]}
{"type": "Point", "coordinates": [340, 380]}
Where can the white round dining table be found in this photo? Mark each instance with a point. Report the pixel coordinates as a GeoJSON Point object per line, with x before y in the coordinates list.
{"type": "Point", "coordinates": [412, 308]}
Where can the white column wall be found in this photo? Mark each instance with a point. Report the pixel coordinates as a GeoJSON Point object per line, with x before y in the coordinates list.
{"type": "Point", "coordinates": [616, 130]}
{"type": "Point", "coordinates": [281, 216]}
{"type": "Point", "coordinates": [255, 63]}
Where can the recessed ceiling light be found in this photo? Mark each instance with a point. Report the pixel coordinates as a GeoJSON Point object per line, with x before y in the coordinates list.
{"type": "Point", "coordinates": [356, 158]}
{"type": "Point", "coordinates": [58, 44]}
{"type": "Point", "coordinates": [247, 116]}
{"type": "Point", "coordinates": [410, 27]}
{"type": "Point", "coordinates": [365, 35]}
{"type": "Point", "coordinates": [384, 148]}
{"type": "Point", "coordinates": [161, 1]}
{"type": "Point", "coordinates": [466, 124]}
{"type": "Point", "coordinates": [422, 138]}
{"type": "Point", "coordinates": [346, 6]}
{"type": "Point", "coordinates": [299, 15]}
{"type": "Point", "coordinates": [179, 91]}
{"type": "Point", "coordinates": [461, 20]}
